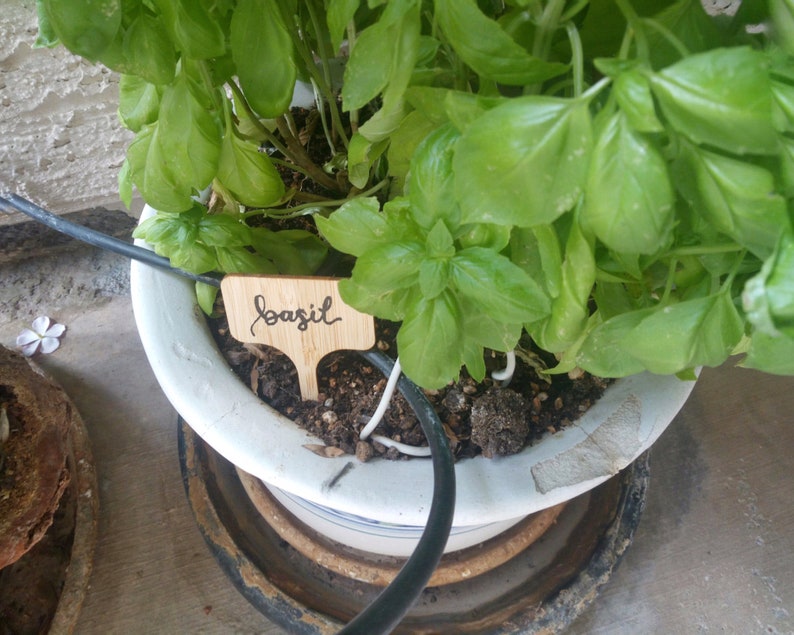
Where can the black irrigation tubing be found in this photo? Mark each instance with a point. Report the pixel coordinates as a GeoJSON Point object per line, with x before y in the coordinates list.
{"type": "Point", "coordinates": [12, 203]}
{"type": "Point", "coordinates": [388, 609]}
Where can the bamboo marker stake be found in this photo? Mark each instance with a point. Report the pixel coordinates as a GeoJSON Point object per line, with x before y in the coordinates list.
{"type": "Point", "coordinates": [305, 318]}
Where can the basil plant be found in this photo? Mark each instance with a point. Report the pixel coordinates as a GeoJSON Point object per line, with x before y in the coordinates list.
{"type": "Point", "coordinates": [613, 177]}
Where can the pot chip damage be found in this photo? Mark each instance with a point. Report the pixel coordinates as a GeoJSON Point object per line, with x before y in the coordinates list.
{"type": "Point", "coordinates": [613, 444]}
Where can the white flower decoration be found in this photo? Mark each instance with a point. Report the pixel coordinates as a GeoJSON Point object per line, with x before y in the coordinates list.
{"type": "Point", "coordinates": [43, 337]}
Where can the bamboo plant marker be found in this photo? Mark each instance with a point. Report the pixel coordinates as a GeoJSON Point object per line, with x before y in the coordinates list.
{"type": "Point", "coordinates": [305, 318]}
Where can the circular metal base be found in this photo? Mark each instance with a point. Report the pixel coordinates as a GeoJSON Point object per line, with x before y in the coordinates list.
{"type": "Point", "coordinates": [380, 569]}
{"type": "Point", "coordinates": [542, 589]}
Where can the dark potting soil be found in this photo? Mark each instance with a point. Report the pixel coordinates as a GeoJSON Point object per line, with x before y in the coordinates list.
{"type": "Point", "coordinates": [479, 418]}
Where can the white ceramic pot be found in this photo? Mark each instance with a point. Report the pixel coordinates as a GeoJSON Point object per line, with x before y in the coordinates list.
{"type": "Point", "coordinates": [381, 506]}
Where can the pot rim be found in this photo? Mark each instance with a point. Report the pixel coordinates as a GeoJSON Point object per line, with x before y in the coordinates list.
{"type": "Point", "coordinates": [198, 382]}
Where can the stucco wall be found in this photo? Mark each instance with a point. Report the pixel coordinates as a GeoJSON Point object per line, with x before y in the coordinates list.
{"type": "Point", "coordinates": [60, 141]}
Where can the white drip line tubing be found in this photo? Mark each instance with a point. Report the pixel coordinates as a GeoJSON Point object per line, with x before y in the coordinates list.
{"type": "Point", "coordinates": [503, 375]}
{"type": "Point", "coordinates": [506, 374]}
{"type": "Point", "coordinates": [375, 419]}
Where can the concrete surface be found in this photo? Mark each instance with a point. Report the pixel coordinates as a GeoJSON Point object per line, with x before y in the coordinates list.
{"type": "Point", "coordinates": [714, 552]}
{"type": "Point", "coordinates": [61, 144]}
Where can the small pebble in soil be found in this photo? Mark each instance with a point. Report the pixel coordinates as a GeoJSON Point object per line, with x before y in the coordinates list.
{"type": "Point", "coordinates": [455, 401]}
{"type": "Point", "coordinates": [364, 451]}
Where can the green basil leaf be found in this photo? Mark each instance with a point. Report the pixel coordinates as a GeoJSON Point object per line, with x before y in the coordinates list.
{"type": "Point", "coordinates": [263, 54]}
{"type": "Point", "coordinates": [311, 248]}
{"type": "Point", "coordinates": [240, 260]}
{"type": "Point", "coordinates": [633, 94]}
{"type": "Point", "coordinates": [720, 98]}
{"type": "Point", "coordinates": [537, 251]}
{"type": "Point", "coordinates": [782, 12]}
{"type": "Point", "coordinates": [523, 163]}
{"type": "Point", "coordinates": [569, 309]}
{"type": "Point", "coordinates": [463, 109]}
{"type": "Point", "coordinates": [699, 332]}
{"type": "Point", "coordinates": [219, 230]}
{"type": "Point", "coordinates": [402, 20]}
{"type": "Point", "coordinates": [246, 172]}
{"type": "Point", "coordinates": [612, 299]}
{"type": "Point", "coordinates": [46, 36]}
{"type": "Point", "coordinates": [430, 182]}
{"type": "Point", "coordinates": [165, 231]}
{"type": "Point", "coordinates": [361, 156]}
{"type": "Point", "coordinates": [364, 77]}
{"type": "Point", "coordinates": [404, 141]}
{"type": "Point", "coordinates": [737, 197]}
{"type": "Point", "coordinates": [294, 252]}
{"type": "Point", "coordinates": [626, 262]}
{"type": "Point", "coordinates": [433, 277]}
{"type": "Point", "coordinates": [196, 33]}
{"type": "Point", "coordinates": [206, 294]}
{"type": "Point", "coordinates": [356, 227]}
{"type": "Point", "coordinates": [428, 49]}
{"type": "Point", "coordinates": [189, 134]}
{"type": "Point", "coordinates": [629, 199]}
{"type": "Point", "coordinates": [499, 288]}
{"type": "Point", "coordinates": [194, 257]}
{"type": "Point", "coordinates": [473, 358]}
{"type": "Point", "coordinates": [139, 102]}
{"type": "Point", "coordinates": [85, 27]}
{"type": "Point", "coordinates": [338, 15]}
{"type": "Point", "coordinates": [756, 304]}
{"type": "Point", "coordinates": [787, 165]}
{"type": "Point", "coordinates": [384, 55]}
{"type": "Point", "coordinates": [385, 121]}
{"type": "Point", "coordinates": [578, 266]}
{"type": "Point", "coordinates": [695, 29]}
{"type": "Point", "coordinates": [604, 26]}
{"type": "Point", "coordinates": [404, 55]}
{"type": "Point", "coordinates": [603, 352]}
{"type": "Point", "coordinates": [614, 67]}
{"type": "Point", "coordinates": [567, 359]}
{"type": "Point", "coordinates": [689, 273]}
{"type": "Point", "coordinates": [149, 170]}
{"type": "Point", "coordinates": [485, 47]}
{"type": "Point", "coordinates": [490, 236]}
{"type": "Point", "coordinates": [113, 55]}
{"type": "Point", "coordinates": [439, 243]}
{"type": "Point", "coordinates": [429, 101]}
{"type": "Point", "coordinates": [125, 183]}
{"type": "Point", "coordinates": [486, 332]}
{"type": "Point", "coordinates": [148, 51]}
{"type": "Point", "coordinates": [389, 305]}
{"type": "Point", "coordinates": [429, 342]}
{"type": "Point", "coordinates": [783, 106]}
{"type": "Point", "coordinates": [770, 354]}
{"type": "Point", "coordinates": [768, 297]}
{"type": "Point", "coordinates": [389, 266]}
